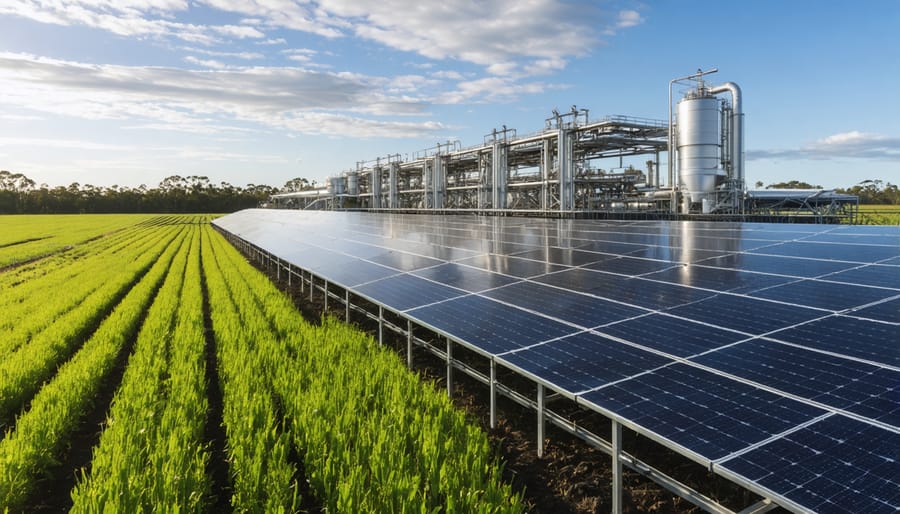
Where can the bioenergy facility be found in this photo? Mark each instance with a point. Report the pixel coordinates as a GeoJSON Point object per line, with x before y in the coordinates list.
{"type": "Point", "coordinates": [575, 167]}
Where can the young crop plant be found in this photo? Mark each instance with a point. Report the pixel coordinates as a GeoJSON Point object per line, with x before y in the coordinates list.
{"type": "Point", "coordinates": [31, 308]}
{"type": "Point", "coordinates": [263, 477]}
{"type": "Point", "coordinates": [32, 446]}
{"type": "Point", "coordinates": [371, 436]}
{"type": "Point", "coordinates": [27, 237]}
{"type": "Point", "coordinates": [23, 370]}
{"type": "Point", "coordinates": [151, 455]}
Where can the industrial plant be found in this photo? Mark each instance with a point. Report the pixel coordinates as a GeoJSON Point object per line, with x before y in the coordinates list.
{"type": "Point", "coordinates": [574, 167]}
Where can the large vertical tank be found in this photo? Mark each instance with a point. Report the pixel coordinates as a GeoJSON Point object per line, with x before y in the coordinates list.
{"type": "Point", "coordinates": [698, 144]}
{"type": "Point", "coordinates": [352, 183]}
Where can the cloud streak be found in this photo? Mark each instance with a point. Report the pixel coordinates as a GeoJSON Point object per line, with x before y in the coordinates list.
{"type": "Point", "coordinates": [853, 144]}
{"type": "Point", "coordinates": [289, 98]}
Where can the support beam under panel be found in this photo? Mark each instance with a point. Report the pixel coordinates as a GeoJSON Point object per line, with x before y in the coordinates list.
{"type": "Point", "coordinates": [493, 388]}
{"type": "Point", "coordinates": [449, 368]}
{"type": "Point", "coordinates": [540, 420]}
{"type": "Point", "coordinates": [616, 467]}
{"type": "Point", "coordinates": [409, 344]}
{"type": "Point", "coordinates": [380, 325]}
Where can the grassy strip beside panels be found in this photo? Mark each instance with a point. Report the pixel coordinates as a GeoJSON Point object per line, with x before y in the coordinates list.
{"type": "Point", "coordinates": [31, 314]}
{"type": "Point", "coordinates": [372, 437]}
{"type": "Point", "coordinates": [56, 411]}
{"type": "Point", "coordinates": [262, 475]}
{"type": "Point", "coordinates": [150, 456]}
{"type": "Point", "coordinates": [22, 372]}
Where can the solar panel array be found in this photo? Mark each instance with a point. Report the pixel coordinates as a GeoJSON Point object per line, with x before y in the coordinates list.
{"type": "Point", "coordinates": [770, 353]}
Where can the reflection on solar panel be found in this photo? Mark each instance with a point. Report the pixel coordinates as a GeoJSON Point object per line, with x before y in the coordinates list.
{"type": "Point", "coordinates": [770, 353]}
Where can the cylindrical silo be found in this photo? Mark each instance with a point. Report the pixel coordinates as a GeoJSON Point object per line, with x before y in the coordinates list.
{"type": "Point", "coordinates": [698, 145]}
{"type": "Point", "coordinates": [352, 183]}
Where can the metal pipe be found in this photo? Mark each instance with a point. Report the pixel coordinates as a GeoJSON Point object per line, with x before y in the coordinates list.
{"type": "Point", "coordinates": [737, 127]}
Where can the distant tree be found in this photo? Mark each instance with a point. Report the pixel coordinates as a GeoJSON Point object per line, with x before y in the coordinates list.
{"type": "Point", "coordinates": [296, 184]}
{"type": "Point", "coordinates": [759, 184]}
{"type": "Point", "coordinates": [874, 192]}
{"type": "Point", "coordinates": [793, 184]}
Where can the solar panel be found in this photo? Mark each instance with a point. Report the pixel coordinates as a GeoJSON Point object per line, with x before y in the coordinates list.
{"type": "Point", "coordinates": [718, 279]}
{"type": "Point", "coordinates": [464, 277]}
{"type": "Point", "coordinates": [825, 295]}
{"type": "Point", "coordinates": [838, 382]}
{"type": "Point", "coordinates": [869, 275]}
{"type": "Point", "coordinates": [513, 266]}
{"type": "Point", "coordinates": [705, 413]}
{"type": "Point", "coordinates": [490, 326]}
{"type": "Point", "coordinates": [671, 335]}
{"type": "Point", "coordinates": [796, 267]}
{"type": "Point", "coordinates": [585, 311]}
{"type": "Point", "coordinates": [629, 266]}
{"type": "Point", "coordinates": [838, 464]}
{"type": "Point", "coordinates": [849, 336]}
{"type": "Point", "coordinates": [404, 292]}
{"type": "Point", "coordinates": [748, 315]}
{"type": "Point", "coordinates": [840, 252]}
{"type": "Point", "coordinates": [583, 361]}
{"type": "Point", "coordinates": [766, 351]}
{"type": "Point", "coordinates": [888, 311]}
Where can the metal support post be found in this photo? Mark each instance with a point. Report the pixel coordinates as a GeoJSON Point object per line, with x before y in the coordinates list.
{"type": "Point", "coordinates": [409, 344]}
{"type": "Point", "coordinates": [290, 272]}
{"type": "Point", "coordinates": [347, 305]}
{"type": "Point", "coordinates": [278, 269]}
{"type": "Point", "coordinates": [380, 325]}
{"type": "Point", "coordinates": [449, 368]}
{"type": "Point", "coordinates": [326, 295]}
{"type": "Point", "coordinates": [616, 467]}
{"type": "Point", "coordinates": [540, 420]}
{"type": "Point", "coordinates": [493, 394]}
{"type": "Point", "coordinates": [311, 288]}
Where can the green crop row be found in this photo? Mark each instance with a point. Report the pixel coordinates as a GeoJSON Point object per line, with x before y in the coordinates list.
{"type": "Point", "coordinates": [29, 449]}
{"type": "Point", "coordinates": [151, 454]}
{"type": "Point", "coordinates": [26, 237]}
{"type": "Point", "coordinates": [371, 437]}
{"type": "Point", "coordinates": [23, 370]}
{"type": "Point", "coordinates": [263, 478]}
{"type": "Point", "coordinates": [59, 293]}
{"type": "Point", "coordinates": [322, 407]}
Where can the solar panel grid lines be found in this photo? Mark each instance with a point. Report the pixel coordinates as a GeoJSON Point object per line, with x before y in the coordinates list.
{"type": "Point", "coordinates": [706, 413]}
{"type": "Point", "coordinates": [722, 341]}
{"type": "Point", "coordinates": [835, 465]}
{"type": "Point", "coordinates": [845, 335]}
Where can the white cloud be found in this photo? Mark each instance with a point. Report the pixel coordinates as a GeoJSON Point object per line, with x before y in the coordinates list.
{"type": "Point", "coordinates": [629, 19]}
{"type": "Point", "coordinates": [291, 98]}
{"type": "Point", "coordinates": [851, 144]}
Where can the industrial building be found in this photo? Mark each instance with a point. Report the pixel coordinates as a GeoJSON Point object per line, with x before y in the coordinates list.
{"type": "Point", "coordinates": [574, 167]}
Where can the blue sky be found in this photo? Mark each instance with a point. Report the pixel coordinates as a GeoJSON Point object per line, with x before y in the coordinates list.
{"type": "Point", "coordinates": [128, 92]}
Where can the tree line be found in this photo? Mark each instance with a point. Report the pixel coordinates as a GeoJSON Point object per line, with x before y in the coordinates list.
{"type": "Point", "coordinates": [870, 192]}
{"type": "Point", "coordinates": [197, 194]}
{"type": "Point", "coordinates": [192, 194]}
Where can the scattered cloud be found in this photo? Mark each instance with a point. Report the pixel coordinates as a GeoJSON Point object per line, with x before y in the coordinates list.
{"type": "Point", "coordinates": [273, 97]}
{"type": "Point", "coordinates": [852, 144]}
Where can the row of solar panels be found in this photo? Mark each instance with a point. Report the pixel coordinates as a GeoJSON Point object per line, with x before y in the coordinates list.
{"type": "Point", "coordinates": [769, 352]}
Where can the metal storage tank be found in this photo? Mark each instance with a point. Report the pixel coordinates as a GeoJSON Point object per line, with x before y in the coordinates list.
{"type": "Point", "coordinates": [698, 144]}
{"type": "Point", "coordinates": [336, 185]}
{"type": "Point", "coordinates": [352, 183]}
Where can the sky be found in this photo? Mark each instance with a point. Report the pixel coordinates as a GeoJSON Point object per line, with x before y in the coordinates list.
{"type": "Point", "coordinates": [128, 92]}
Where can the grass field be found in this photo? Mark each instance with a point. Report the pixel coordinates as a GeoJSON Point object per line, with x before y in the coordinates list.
{"type": "Point", "coordinates": [879, 215]}
{"type": "Point", "coordinates": [150, 367]}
